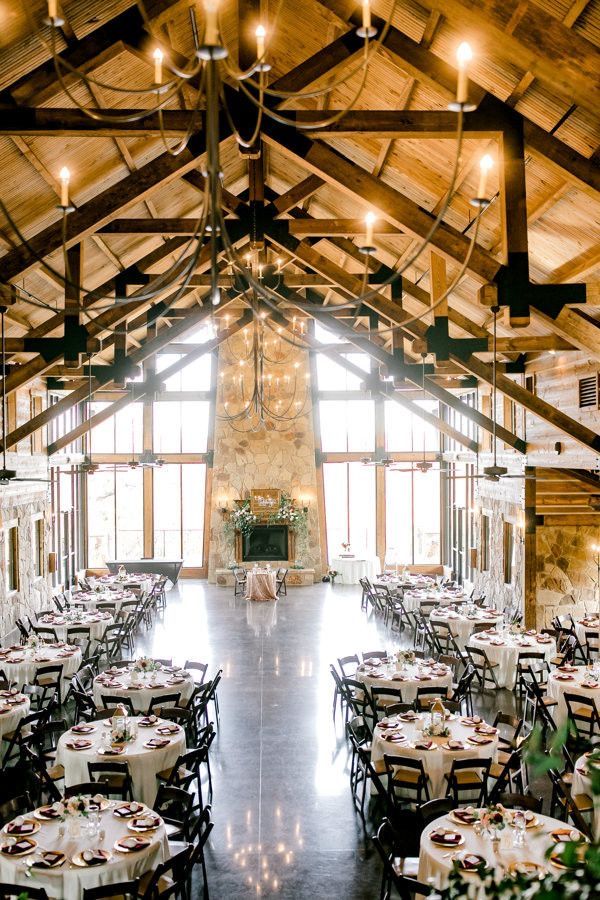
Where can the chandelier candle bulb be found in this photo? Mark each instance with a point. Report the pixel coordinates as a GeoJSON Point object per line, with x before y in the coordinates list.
{"type": "Point", "coordinates": [464, 55]}
{"type": "Point", "coordinates": [485, 164]}
{"type": "Point", "coordinates": [211, 33]}
{"type": "Point", "coordinates": [52, 9]}
{"type": "Point", "coordinates": [158, 61]}
{"type": "Point", "coordinates": [260, 41]}
{"type": "Point", "coordinates": [366, 15]}
{"type": "Point", "coordinates": [65, 177]}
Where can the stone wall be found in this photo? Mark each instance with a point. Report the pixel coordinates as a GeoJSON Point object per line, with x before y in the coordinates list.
{"type": "Point", "coordinates": [21, 504]}
{"type": "Point", "coordinates": [266, 457]}
{"type": "Point", "coordinates": [502, 503]}
{"type": "Point", "coordinates": [566, 571]}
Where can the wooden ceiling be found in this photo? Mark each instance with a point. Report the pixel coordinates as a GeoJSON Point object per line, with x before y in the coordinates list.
{"type": "Point", "coordinates": [535, 79]}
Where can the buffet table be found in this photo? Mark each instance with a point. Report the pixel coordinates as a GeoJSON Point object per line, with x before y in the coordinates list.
{"type": "Point", "coordinates": [156, 566]}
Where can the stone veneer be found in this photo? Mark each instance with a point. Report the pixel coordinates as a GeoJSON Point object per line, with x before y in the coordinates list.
{"type": "Point", "coordinates": [261, 459]}
{"type": "Point", "coordinates": [21, 503]}
{"type": "Point", "coordinates": [492, 500]}
{"type": "Point", "coordinates": [566, 571]}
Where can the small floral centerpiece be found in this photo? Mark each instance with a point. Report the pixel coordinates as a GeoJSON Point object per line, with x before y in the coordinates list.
{"type": "Point", "coordinates": [73, 809]}
{"type": "Point", "coordinates": [436, 728]}
{"type": "Point", "coordinates": [516, 628]}
{"type": "Point", "coordinates": [406, 657]}
{"type": "Point", "coordinates": [121, 732]}
{"type": "Point", "coordinates": [33, 641]}
{"type": "Point", "coordinates": [346, 546]}
{"type": "Point", "coordinates": [492, 820]}
{"type": "Point", "coordinates": [332, 574]}
{"type": "Point", "coordinates": [122, 574]}
{"type": "Point", "coordinates": [145, 664]}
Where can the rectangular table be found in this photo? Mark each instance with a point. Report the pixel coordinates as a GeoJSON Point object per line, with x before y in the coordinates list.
{"type": "Point", "coordinates": [156, 566]}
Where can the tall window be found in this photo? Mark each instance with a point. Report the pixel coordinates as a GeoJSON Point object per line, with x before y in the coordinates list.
{"type": "Point", "coordinates": [350, 507]}
{"type": "Point", "coordinates": [179, 512]}
{"type": "Point", "coordinates": [38, 546]}
{"type": "Point", "coordinates": [66, 521]}
{"type": "Point", "coordinates": [484, 562]}
{"type": "Point", "coordinates": [412, 517]}
{"type": "Point", "coordinates": [115, 515]}
{"type": "Point", "coordinates": [11, 557]}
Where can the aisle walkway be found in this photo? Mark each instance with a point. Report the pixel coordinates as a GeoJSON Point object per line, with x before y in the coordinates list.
{"type": "Point", "coordinates": [284, 820]}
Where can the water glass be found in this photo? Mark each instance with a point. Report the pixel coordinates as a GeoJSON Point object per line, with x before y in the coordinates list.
{"type": "Point", "coordinates": [519, 826]}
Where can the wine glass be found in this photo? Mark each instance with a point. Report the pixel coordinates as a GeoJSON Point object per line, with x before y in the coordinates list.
{"type": "Point", "coordinates": [519, 826]}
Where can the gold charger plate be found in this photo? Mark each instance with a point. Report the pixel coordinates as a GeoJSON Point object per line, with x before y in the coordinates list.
{"type": "Point", "coordinates": [34, 830]}
{"type": "Point", "coordinates": [31, 847]}
{"type": "Point", "coordinates": [78, 859]}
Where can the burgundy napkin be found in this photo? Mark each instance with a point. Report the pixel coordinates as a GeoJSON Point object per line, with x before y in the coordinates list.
{"type": "Point", "coordinates": [17, 847]}
{"type": "Point", "coordinates": [25, 828]}
{"type": "Point", "coordinates": [452, 838]}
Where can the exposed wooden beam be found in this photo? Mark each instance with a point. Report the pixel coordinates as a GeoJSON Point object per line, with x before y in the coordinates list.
{"type": "Point", "coordinates": [393, 206]}
{"type": "Point", "coordinates": [109, 411]}
{"type": "Point", "coordinates": [296, 194]}
{"type": "Point", "coordinates": [168, 226]}
{"type": "Point", "coordinates": [23, 121]}
{"type": "Point", "coordinates": [575, 327]}
{"type": "Point", "coordinates": [326, 227]}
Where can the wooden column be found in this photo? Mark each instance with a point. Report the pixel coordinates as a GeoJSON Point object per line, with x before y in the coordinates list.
{"type": "Point", "coordinates": [210, 447]}
{"type": "Point", "coordinates": [530, 554]}
{"type": "Point", "coordinates": [318, 462]}
{"type": "Point", "coordinates": [513, 209]}
{"type": "Point", "coordinates": [148, 444]}
{"type": "Point", "coordinates": [380, 536]}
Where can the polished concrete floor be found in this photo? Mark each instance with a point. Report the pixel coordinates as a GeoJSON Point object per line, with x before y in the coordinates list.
{"type": "Point", "coordinates": [285, 825]}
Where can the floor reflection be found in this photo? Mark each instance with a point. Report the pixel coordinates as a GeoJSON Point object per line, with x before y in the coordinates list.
{"type": "Point", "coordinates": [284, 820]}
{"type": "Point", "coordinates": [261, 616]}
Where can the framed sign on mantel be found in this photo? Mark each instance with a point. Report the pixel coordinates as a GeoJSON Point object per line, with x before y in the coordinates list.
{"type": "Point", "coordinates": [264, 501]}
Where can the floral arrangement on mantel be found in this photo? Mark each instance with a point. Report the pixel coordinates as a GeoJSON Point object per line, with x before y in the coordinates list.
{"type": "Point", "coordinates": [241, 519]}
{"type": "Point", "coordinates": [577, 881]}
{"type": "Point", "coordinates": [296, 517]}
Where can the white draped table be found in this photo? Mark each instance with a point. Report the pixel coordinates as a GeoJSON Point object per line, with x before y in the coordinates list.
{"type": "Point", "coordinates": [437, 762]}
{"type": "Point", "coordinates": [13, 706]}
{"type": "Point", "coordinates": [505, 649]}
{"type": "Point", "coordinates": [89, 599]}
{"type": "Point", "coordinates": [118, 683]}
{"type": "Point", "coordinates": [588, 624]}
{"type": "Point", "coordinates": [412, 599]}
{"type": "Point", "coordinates": [436, 862]}
{"type": "Point", "coordinates": [21, 663]}
{"type": "Point", "coordinates": [407, 680]}
{"type": "Point", "coordinates": [582, 784]}
{"type": "Point", "coordinates": [143, 762]}
{"type": "Point", "coordinates": [95, 622]}
{"type": "Point", "coordinates": [462, 625]}
{"type": "Point", "coordinates": [352, 569]}
{"type": "Point", "coordinates": [571, 680]}
{"type": "Point", "coordinates": [69, 881]}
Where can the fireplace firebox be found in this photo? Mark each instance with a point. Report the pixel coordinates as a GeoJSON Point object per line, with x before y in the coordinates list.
{"type": "Point", "coordinates": [266, 542]}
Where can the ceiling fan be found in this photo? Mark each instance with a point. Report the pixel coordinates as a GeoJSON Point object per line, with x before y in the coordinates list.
{"type": "Point", "coordinates": [8, 475]}
{"type": "Point", "coordinates": [423, 465]}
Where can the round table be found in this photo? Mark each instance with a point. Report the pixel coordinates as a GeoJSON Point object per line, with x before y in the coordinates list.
{"type": "Point", "coordinates": [407, 681]}
{"type": "Point", "coordinates": [437, 762]}
{"type": "Point", "coordinates": [582, 784]}
{"type": "Point", "coordinates": [143, 762]}
{"type": "Point", "coordinates": [21, 663]}
{"type": "Point", "coordinates": [89, 599]}
{"type": "Point", "coordinates": [261, 585]}
{"type": "Point", "coordinates": [436, 862]}
{"type": "Point", "coordinates": [588, 623]}
{"type": "Point", "coordinates": [574, 681]}
{"type": "Point", "coordinates": [462, 625]}
{"type": "Point", "coordinates": [412, 599]}
{"type": "Point", "coordinates": [69, 881]}
{"type": "Point", "coordinates": [505, 649]}
{"type": "Point", "coordinates": [12, 709]}
{"type": "Point", "coordinates": [118, 683]}
{"type": "Point", "coordinates": [350, 569]}
{"type": "Point", "coordinates": [94, 622]}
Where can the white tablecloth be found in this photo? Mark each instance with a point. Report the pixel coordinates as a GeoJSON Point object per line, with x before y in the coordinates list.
{"type": "Point", "coordinates": [68, 882]}
{"type": "Point", "coordinates": [261, 585]}
{"type": "Point", "coordinates": [581, 627]}
{"type": "Point", "coordinates": [143, 582]}
{"type": "Point", "coordinates": [12, 709]}
{"type": "Point", "coordinates": [95, 622]}
{"type": "Point", "coordinates": [436, 762]}
{"type": "Point", "coordinates": [560, 683]}
{"type": "Point", "coordinates": [143, 763]}
{"type": "Point", "coordinates": [407, 682]}
{"type": "Point", "coordinates": [89, 599]}
{"type": "Point", "coordinates": [462, 626]}
{"type": "Point", "coordinates": [436, 862]}
{"type": "Point", "coordinates": [351, 570]}
{"type": "Point", "coordinates": [412, 599]}
{"type": "Point", "coordinates": [507, 653]}
{"type": "Point", "coordinates": [582, 784]}
{"type": "Point", "coordinates": [21, 665]}
{"type": "Point", "coordinates": [153, 685]}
